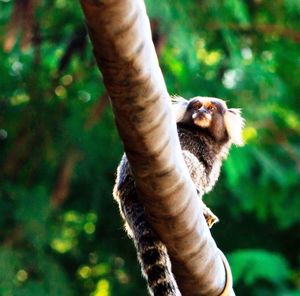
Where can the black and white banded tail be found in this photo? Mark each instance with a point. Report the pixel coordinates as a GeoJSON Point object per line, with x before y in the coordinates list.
{"type": "Point", "coordinates": [152, 253]}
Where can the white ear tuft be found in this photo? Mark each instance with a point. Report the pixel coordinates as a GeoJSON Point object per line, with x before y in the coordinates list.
{"type": "Point", "coordinates": [234, 124]}
{"type": "Point", "coordinates": [179, 107]}
{"type": "Point", "coordinates": [176, 99]}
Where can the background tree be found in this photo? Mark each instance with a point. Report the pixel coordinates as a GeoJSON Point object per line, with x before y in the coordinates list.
{"type": "Point", "coordinates": [247, 53]}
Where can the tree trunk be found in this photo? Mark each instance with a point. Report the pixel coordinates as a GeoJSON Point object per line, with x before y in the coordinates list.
{"type": "Point", "coordinates": [121, 37]}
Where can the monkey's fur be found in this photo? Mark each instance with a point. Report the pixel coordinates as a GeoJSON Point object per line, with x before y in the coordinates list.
{"type": "Point", "coordinates": [206, 130]}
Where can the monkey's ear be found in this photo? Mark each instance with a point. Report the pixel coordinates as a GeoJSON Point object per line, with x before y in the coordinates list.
{"type": "Point", "coordinates": [176, 99]}
{"type": "Point", "coordinates": [234, 124]}
{"type": "Point", "coordinates": [179, 107]}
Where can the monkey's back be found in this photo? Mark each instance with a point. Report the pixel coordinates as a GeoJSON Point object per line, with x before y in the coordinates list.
{"type": "Point", "coordinates": [203, 156]}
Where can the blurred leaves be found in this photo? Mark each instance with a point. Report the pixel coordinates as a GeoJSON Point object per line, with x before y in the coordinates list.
{"type": "Point", "coordinates": [73, 224]}
{"type": "Point", "coordinates": [60, 229]}
{"type": "Point", "coordinates": [252, 265]}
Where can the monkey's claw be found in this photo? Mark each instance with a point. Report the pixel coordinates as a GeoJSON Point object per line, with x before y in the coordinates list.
{"type": "Point", "coordinates": [209, 216]}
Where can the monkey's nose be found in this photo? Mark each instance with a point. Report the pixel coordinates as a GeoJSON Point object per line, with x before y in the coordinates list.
{"type": "Point", "coordinates": [203, 110]}
{"type": "Point", "coordinates": [200, 113]}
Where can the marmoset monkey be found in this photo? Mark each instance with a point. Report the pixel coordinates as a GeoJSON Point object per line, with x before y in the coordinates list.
{"type": "Point", "coordinates": [206, 130]}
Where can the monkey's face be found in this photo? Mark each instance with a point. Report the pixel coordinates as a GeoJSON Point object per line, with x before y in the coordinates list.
{"type": "Point", "coordinates": [206, 113]}
{"type": "Point", "coordinates": [213, 115]}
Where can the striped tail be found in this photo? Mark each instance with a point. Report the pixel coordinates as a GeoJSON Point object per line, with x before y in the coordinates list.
{"type": "Point", "coordinates": [155, 262]}
{"type": "Point", "coordinates": [152, 253]}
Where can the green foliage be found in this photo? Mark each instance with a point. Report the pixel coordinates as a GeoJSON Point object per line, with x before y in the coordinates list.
{"type": "Point", "coordinates": [270, 269]}
{"type": "Point", "coordinates": [60, 229]}
{"type": "Point", "coordinates": [252, 265]}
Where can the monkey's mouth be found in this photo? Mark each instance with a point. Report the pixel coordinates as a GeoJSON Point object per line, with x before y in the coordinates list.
{"type": "Point", "coordinates": [202, 119]}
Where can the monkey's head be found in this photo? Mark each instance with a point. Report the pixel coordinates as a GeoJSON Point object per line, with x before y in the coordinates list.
{"type": "Point", "coordinates": [212, 115]}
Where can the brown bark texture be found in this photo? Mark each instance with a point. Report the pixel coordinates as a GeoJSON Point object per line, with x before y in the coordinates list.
{"type": "Point", "coordinates": [23, 20]}
{"type": "Point", "coordinates": [121, 37]}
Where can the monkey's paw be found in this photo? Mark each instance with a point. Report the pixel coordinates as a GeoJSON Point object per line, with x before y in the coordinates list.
{"type": "Point", "coordinates": [209, 216]}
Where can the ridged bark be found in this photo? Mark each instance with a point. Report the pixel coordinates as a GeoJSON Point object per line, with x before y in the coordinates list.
{"type": "Point", "coordinates": [121, 37]}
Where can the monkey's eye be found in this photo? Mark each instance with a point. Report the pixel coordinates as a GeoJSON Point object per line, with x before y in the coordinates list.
{"type": "Point", "coordinates": [197, 105]}
{"type": "Point", "coordinates": [211, 108]}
